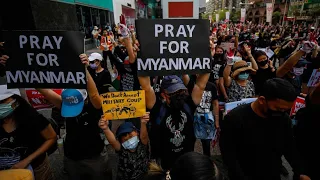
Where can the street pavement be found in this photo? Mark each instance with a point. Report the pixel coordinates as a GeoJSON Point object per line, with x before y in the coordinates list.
{"type": "Point", "coordinates": [56, 159]}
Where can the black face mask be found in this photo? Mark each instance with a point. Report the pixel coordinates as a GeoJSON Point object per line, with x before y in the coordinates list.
{"type": "Point", "coordinates": [177, 101]}
{"type": "Point", "coordinates": [217, 57]}
{"type": "Point", "coordinates": [263, 63]}
{"type": "Point", "coordinates": [275, 114]}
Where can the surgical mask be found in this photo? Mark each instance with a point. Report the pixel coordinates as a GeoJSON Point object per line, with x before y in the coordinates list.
{"type": "Point", "coordinates": [93, 66]}
{"type": "Point", "coordinates": [131, 143]}
{"type": "Point", "coordinates": [263, 63]}
{"type": "Point", "coordinates": [298, 71]}
{"type": "Point", "coordinates": [243, 76]}
{"type": "Point", "coordinates": [6, 109]}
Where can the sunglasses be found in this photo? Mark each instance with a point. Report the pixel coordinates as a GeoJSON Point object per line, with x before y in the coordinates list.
{"type": "Point", "coordinates": [92, 62]}
{"type": "Point", "coordinates": [245, 72]}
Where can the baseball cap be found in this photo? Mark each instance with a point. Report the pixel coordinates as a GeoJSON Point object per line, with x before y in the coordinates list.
{"type": "Point", "coordinates": [5, 92]}
{"type": "Point", "coordinates": [95, 56]}
{"type": "Point", "coordinates": [72, 102]}
{"type": "Point", "coordinates": [95, 27]}
{"type": "Point", "coordinates": [172, 84]}
{"type": "Point", "coordinates": [126, 127]}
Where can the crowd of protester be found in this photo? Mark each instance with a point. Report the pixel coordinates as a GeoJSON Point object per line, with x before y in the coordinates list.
{"type": "Point", "coordinates": [180, 109]}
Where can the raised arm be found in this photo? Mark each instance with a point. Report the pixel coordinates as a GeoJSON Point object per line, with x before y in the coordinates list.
{"type": "Point", "coordinates": [150, 95]}
{"type": "Point", "coordinates": [252, 60]}
{"type": "Point", "coordinates": [226, 74]}
{"type": "Point", "coordinates": [143, 130]}
{"type": "Point", "coordinates": [91, 85]}
{"type": "Point", "coordinates": [52, 97]}
{"type": "Point", "coordinates": [307, 47]}
{"type": "Point", "coordinates": [103, 123]}
{"type": "Point", "coordinates": [199, 87]}
{"type": "Point", "coordinates": [315, 95]}
{"type": "Point", "coordinates": [126, 39]}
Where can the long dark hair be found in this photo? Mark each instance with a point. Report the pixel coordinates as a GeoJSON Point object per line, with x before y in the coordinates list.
{"type": "Point", "coordinates": [24, 112]}
{"type": "Point", "coordinates": [191, 166]}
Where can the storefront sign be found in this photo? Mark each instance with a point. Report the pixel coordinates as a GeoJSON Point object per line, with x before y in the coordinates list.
{"type": "Point", "coordinates": [45, 59]}
{"type": "Point", "coordinates": [173, 46]}
{"type": "Point", "coordinates": [124, 104]}
{"type": "Point", "coordinates": [303, 18]}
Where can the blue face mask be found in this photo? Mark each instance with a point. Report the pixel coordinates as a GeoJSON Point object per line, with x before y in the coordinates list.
{"type": "Point", "coordinates": [93, 66]}
{"type": "Point", "coordinates": [131, 143]}
{"type": "Point", "coordinates": [243, 76]}
{"type": "Point", "coordinates": [6, 109]}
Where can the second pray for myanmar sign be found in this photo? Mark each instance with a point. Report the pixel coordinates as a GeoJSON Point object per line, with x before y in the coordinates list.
{"type": "Point", "coordinates": [45, 59]}
{"type": "Point", "coordinates": [123, 104]}
{"type": "Point", "coordinates": [173, 46]}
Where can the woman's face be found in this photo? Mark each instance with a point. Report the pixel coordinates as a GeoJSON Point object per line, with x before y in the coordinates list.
{"type": "Point", "coordinates": [262, 58]}
{"type": "Point", "coordinates": [219, 51]}
{"type": "Point", "coordinates": [238, 54]}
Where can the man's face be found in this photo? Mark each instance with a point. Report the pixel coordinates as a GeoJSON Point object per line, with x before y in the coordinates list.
{"type": "Point", "coordinates": [277, 105]}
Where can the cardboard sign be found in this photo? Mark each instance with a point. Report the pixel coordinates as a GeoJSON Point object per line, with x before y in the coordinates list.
{"type": "Point", "coordinates": [173, 46]}
{"type": "Point", "coordinates": [314, 79]}
{"type": "Point", "coordinates": [45, 59]}
{"type": "Point", "coordinates": [37, 100]}
{"type": "Point", "coordinates": [298, 104]}
{"type": "Point", "coordinates": [229, 106]}
{"type": "Point", "coordinates": [124, 104]}
{"type": "Point", "coordinates": [227, 46]}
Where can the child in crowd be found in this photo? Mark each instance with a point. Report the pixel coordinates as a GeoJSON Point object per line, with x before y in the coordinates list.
{"type": "Point", "coordinates": [132, 146]}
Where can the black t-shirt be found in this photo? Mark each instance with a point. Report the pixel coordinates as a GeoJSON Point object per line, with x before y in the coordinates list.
{"type": "Point", "coordinates": [209, 94]}
{"type": "Point", "coordinates": [173, 135]}
{"type": "Point", "coordinates": [133, 165]}
{"type": "Point", "coordinates": [101, 79]}
{"type": "Point", "coordinates": [261, 76]}
{"type": "Point", "coordinates": [22, 142]}
{"type": "Point", "coordinates": [83, 140]}
{"type": "Point", "coordinates": [214, 75]}
{"type": "Point", "coordinates": [252, 146]}
{"type": "Point", "coordinates": [221, 71]}
{"type": "Point", "coordinates": [307, 138]}
{"type": "Point", "coordinates": [128, 76]}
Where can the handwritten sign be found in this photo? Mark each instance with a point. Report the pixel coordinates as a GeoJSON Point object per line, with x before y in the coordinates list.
{"type": "Point", "coordinates": [315, 78]}
{"type": "Point", "coordinates": [298, 104]}
{"type": "Point", "coordinates": [37, 100]}
{"type": "Point", "coordinates": [124, 104]}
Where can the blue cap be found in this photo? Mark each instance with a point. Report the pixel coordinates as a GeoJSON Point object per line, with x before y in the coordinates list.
{"type": "Point", "coordinates": [172, 84]}
{"type": "Point", "coordinates": [72, 102]}
{"type": "Point", "coordinates": [126, 127]}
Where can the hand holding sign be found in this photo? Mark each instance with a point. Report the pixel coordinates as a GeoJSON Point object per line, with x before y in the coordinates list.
{"type": "Point", "coordinates": [84, 59]}
{"type": "Point", "coordinates": [145, 118]}
{"type": "Point", "coordinates": [3, 59]}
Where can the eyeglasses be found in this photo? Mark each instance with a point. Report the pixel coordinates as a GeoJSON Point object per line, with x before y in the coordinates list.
{"type": "Point", "coordinates": [245, 72]}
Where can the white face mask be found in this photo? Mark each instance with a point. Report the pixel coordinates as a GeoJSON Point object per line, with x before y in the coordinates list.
{"type": "Point", "coordinates": [298, 71]}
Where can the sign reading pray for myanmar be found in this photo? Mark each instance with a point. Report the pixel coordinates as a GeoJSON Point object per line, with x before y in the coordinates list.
{"type": "Point", "coordinates": [45, 59]}
{"type": "Point", "coordinates": [173, 46]}
{"type": "Point", "coordinates": [123, 104]}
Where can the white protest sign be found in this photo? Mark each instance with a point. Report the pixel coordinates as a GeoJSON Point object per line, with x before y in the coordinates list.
{"type": "Point", "coordinates": [229, 106]}
{"type": "Point", "coordinates": [314, 79]}
{"type": "Point", "coordinates": [227, 46]}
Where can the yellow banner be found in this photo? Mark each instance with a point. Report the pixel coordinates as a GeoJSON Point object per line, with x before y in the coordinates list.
{"type": "Point", "coordinates": [123, 104]}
